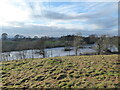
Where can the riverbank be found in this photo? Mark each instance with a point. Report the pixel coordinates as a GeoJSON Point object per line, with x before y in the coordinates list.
{"type": "Point", "coordinates": [96, 71]}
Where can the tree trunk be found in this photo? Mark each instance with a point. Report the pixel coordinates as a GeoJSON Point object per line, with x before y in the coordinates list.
{"type": "Point", "coordinates": [51, 52]}
{"type": "Point", "coordinates": [44, 54]}
{"type": "Point", "coordinates": [76, 51]}
{"type": "Point", "coordinates": [32, 55]}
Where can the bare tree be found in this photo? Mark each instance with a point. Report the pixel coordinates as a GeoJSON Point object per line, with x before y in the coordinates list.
{"type": "Point", "coordinates": [22, 47]}
{"type": "Point", "coordinates": [78, 41]}
{"type": "Point", "coordinates": [102, 44]}
{"type": "Point", "coordinates": [40, 45]}
{"type": "Point", "coordinates": [68, 45]}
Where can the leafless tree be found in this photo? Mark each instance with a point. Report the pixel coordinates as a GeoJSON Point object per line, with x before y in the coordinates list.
{"type": "Point", "coordinates": [40, 45]}
{"type": "Point", "coordinates": [22, 47]}
{"type": "Point", "coordinates": [68, 45]}
{"type": "Point", "coordinates": [77, 43]}
{"type": "Point", "coordinates": [102, 44]}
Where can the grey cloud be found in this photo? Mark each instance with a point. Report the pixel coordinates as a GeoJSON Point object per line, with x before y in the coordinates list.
{"type": "Point", "coordinates": [30, 30]}
{"type": "Point", "coordinates": [102, 16]}
{"type": "Point", "coordinates": [105, 23]}
{"type": "Point", "coordinates": [17, 23]}
{"type": "Point", "coordinates": [105, 20]}
{"type": "Point", "coordinates": [54, 16]}
{"type": "Point", "coordinates": [61, 16]}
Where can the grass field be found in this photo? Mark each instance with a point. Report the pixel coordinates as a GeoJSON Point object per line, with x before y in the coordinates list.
{"type": "Point", "coordinates": [97, 71]}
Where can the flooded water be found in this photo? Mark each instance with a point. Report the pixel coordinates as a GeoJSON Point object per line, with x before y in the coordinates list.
{"type": "Point", "coordinates": [50, 52]}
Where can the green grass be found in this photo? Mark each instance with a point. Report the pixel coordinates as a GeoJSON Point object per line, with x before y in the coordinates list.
{"type": "Point", "coordinates": [97, 71]}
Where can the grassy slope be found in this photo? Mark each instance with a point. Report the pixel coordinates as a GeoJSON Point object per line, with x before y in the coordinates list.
{"type": "Point", "coordinates": [69, 71]}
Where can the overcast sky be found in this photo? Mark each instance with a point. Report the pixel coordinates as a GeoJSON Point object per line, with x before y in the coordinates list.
{"type": "Point", "coordinates": [32, 17]}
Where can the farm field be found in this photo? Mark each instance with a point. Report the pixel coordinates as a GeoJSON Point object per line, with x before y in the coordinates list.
{"type": "Point", "coordinates": [96, 71]}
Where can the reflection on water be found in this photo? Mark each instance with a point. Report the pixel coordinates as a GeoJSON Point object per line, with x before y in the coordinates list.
{"type": "Point", "coordinates": [50, 52]}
